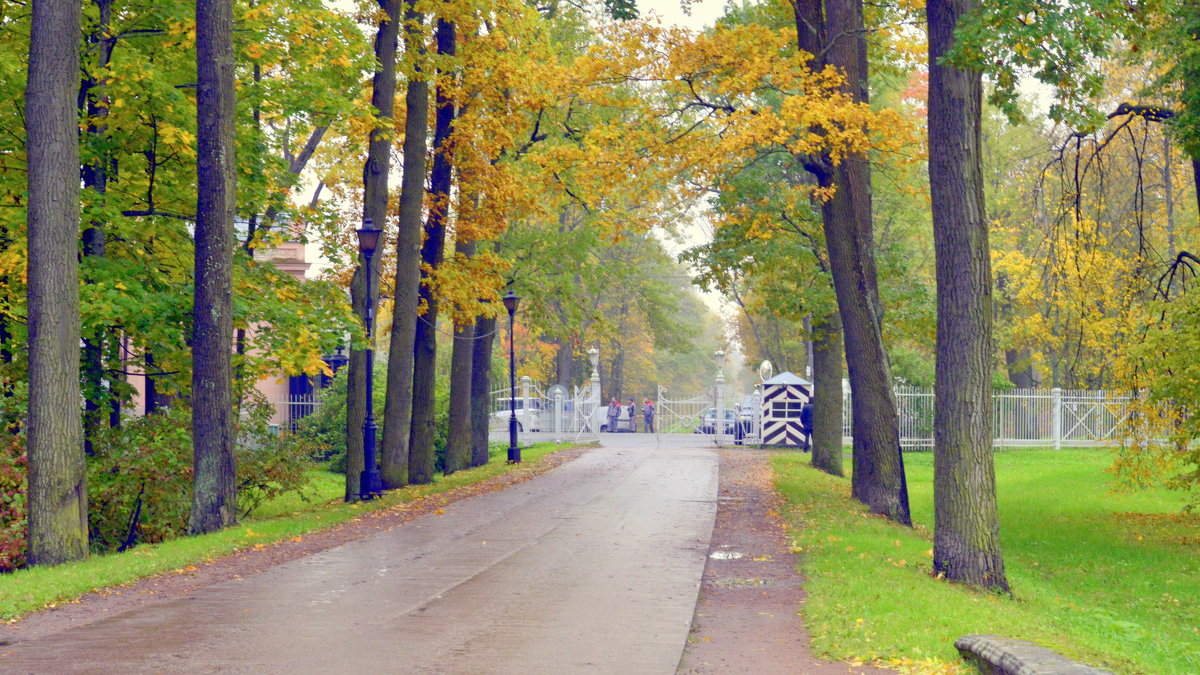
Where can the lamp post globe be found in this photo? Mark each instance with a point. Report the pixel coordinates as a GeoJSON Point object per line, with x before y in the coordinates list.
{"type": "Point", "coordinates": [370, 481]}
{"type": "Point", "coordinates": [514, 451]}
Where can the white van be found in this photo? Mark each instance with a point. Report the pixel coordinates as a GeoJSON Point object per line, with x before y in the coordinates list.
{"type": "Point", "coordinates": [529, 413]}
{"type": "Point", "coordinates": [624, 422]}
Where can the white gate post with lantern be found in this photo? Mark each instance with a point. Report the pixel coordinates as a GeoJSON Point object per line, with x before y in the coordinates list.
{"type": "Point", "coordinates": [719, 422]}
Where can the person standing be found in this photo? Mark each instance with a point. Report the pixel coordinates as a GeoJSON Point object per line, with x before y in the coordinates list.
{"type": "Point", "coordinates": [648, 415]}
{"type": "Point", "coordinates": [632, 415]}
{"type": "Point", "coordinates": [614, 411]}
{"type": "Point", "coordinates": [806, 424]}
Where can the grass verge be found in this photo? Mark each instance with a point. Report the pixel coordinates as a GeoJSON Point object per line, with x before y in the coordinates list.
{"type": "Point", "coordinates": [291, 515]}
{"type": "Point", "coordinates": [1105, 577]}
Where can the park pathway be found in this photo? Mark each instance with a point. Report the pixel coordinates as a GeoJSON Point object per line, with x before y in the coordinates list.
{"type": "Point", "coordinates": [594, 566]}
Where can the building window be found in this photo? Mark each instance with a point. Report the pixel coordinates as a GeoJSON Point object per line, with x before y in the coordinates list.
{"type": "Point", "coordinates": [786, 409]}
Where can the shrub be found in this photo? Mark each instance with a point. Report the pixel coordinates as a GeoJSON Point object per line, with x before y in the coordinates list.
{"type": "Point", "coordinates": [270, 464]}
{"type": "Point", "coordinates": [140, 480]}
{"type": "Point", "coordinates": [12, 503]}
{"type": "Point", "coordinates": [140, 477]}
{"type": "Point", "coordinates": [325, 429]}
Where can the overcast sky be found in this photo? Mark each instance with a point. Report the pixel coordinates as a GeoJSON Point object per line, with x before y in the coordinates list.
{"type": "Point", "coordinates": [703, 12]}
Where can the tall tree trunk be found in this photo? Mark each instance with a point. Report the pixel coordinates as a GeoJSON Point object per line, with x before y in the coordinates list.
{"type": "Point", "coordinates": [152, 400]}
{"type": "Point", "coordinates": [878, 479]}
{"type": "Point", "coordinates": [458, 436]}
{"type": "Point", "coordinates": [564, 362]}
{"type": "Point", "coordinates": [1020, 368]}
{"type": "Point", "coordinates": [397, 411]}
{"type": "Point", "coordinates": [481, 388]}
{"type": "Point", "coordinates": [115, 350]}
{"type": "Point", "coordinates": [827, 394]}
{"type": "Point", "coordinates": [1168, 177]}
{"type": "Point", "coordinates": [214, 488]}
{"type": "Point", "coordinates": [375, 204]}
{"type": "Point", "coordinates": [1196, 180]}
{"type": "Point", "coordinates": [95, 178]}
{"type": "Point", "coordinates": [966, 543]}
{"type": "Point", "coordinates": [420, 443]}
{"type": "Point", "coordinates": [6, 347]}
{"type": "Point", "coordinates": [57, 498]}
{"type": "Point", "coordinates": [616, 383]}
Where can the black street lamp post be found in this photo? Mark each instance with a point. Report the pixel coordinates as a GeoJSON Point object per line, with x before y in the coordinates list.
{"type": "Point", "coordinates": [514, 451]}
{"type": "Point", "coordinates": [370, 482]}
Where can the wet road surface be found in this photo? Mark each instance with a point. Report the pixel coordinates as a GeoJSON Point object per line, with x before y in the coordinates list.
{"type": "Point", "coordinates": [594, 566]}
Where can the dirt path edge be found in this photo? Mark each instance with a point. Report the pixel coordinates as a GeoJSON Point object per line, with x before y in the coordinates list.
{"type": "Point", "coordinates": [747, 617]}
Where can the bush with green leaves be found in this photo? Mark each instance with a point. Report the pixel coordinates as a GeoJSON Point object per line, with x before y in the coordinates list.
{"type": "Point", "coordinates": [325, 429]}
{"type": "Point", "coordinates": [140, 479]}
{"type": "Point", "coordinates": [140, 475]}
{"type": "Point", "coordinates": [13, 486]}
{"type": "Point", "coordinates": [269, 463]}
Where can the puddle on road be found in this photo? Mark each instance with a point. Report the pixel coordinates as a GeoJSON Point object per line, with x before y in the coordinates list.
{"type": "Point", "coordinates": [726, 555]}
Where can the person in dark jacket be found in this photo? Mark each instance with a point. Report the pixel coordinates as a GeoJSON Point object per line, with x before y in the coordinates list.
{"type": "Point", "coordinates": [648, 415]}
{"type": "Point", "coordinates": [806, 424]}
{"type": "Point", "coordinates": [632, 415]}
{"type": "Point", "coordinates": [614, 411]}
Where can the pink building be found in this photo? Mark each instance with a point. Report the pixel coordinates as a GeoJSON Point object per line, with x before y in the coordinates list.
{"type": "Point", "coordinates": [289, 394]}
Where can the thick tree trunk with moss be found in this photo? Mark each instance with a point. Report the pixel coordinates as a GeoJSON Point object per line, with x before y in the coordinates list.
{"type": "Point", "coordinates": [375, 204]}
{"type": "Point", "coordinates": [458, 436]}
{"type": "Point", "coordinates": [564, 362]}
{"type": "Point", "coordinates": [827, 394]}
{"type": "Point", "coordinates": [420, 443]}
{"type": "Point", "coordinates": [966, 544]}
{"type": "Point", "coordinates": [57, 497]}
{"type": "Point", "coordinates": [397, 410]}
{"type": "Point", "coordinates": [214, 488]}
{"type": "Point", "coordinates": [481, 388]}
{"type": "Point", "coordinates": [878, 477]}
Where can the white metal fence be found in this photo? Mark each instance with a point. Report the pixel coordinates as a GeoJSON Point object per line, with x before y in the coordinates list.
{"type": "Point", "coordinates": [1020, 417]}
{"type": "Point", "coordinates": [287, 414]}
{"type": "Point", "coordinates": [553, 415]}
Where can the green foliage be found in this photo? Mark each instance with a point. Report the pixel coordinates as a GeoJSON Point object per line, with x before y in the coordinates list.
{"type": "Point", "coordinates": [623, 10]}
{"type": "Point", "coordinates": [323, 432]}
{"type": "Point", "coordinates": [911, 366]}
{"type": "Point", "coordinates": [140, 481]}
{"type": "Point", "coordinates": [1160, 442]}
{"type": "Point", "coordinates": [1060, 43]}
{"type": "Point", "coordinates": [1105, 578]}
{"type": "Point", "coordinates": [299, 65]}
{"type": "Point", "coordinates": [13, 490]}
{"type": "Point", "coordinates": [270, 463]}
{"type": "Point", "coordinates": [1183, 75]}
{"type": "Point", "coordinates": [140, 477]}
{"type": "Point", "coordinates": [325, 428]}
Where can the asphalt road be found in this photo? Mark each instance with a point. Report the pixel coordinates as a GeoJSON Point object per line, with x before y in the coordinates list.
{"type": "Point", "coordinates": [592, 567]}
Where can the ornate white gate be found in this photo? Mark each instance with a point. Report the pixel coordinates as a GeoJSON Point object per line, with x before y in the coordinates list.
{"type": "Point", "coordinates": [683, 415]}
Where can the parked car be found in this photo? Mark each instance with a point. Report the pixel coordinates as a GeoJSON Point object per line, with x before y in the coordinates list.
{"type": "Point", "coordinates": [748, 412]}
{"type": "Point", "coordinates": [529, 413]}
{"type": "Point", "coordinates": [624, 422]}
{"type": "Point", "coordinates": [708, 421]}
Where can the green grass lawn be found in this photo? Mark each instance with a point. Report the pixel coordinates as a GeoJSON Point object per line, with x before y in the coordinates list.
{"type": "Point", "coordinates": [1109, 578]}
{"type": "Point", "coordinates": [288, 516]}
